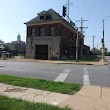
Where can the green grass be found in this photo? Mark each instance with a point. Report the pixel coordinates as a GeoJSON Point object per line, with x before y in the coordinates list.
{"type": "Point", "coordinates": [61, 87]}
{"type": "Point", "coordinates": [17, 104]}
{"type": "Point", "coordinates": [88, 58]}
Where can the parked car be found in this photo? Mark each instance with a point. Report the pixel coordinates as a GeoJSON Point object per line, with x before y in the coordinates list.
{"type": "Point", "coordinates": [6, 53]}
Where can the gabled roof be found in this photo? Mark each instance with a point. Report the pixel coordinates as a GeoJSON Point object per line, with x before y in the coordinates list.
{"type": "Point", "coordinates": [54, 16]}
{"type": "Point", "coordinates": [51, 12]}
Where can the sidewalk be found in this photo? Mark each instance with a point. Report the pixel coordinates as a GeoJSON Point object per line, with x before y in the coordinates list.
{"type": "Point", "coordinates": [88, 98]}
{"type": "Point", "coordinates": [95, 62]}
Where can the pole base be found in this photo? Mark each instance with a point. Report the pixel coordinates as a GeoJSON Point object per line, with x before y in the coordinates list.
{"type": "Point", "coordinates": [102, 60]}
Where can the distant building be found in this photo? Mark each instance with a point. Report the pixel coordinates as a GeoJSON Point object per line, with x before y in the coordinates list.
{"type": "Point", "coordinates": [2, 45]}
{"type": "Point", "coordinates": [86, 50]}
{"type": "Point", "coordinates": [17, 45]}
{"type": "Point", "coordinates": [50, 36]}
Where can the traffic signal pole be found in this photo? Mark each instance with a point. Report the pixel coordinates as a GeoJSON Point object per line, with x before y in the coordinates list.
{"type": "Point", "coordinates": [103, 43]}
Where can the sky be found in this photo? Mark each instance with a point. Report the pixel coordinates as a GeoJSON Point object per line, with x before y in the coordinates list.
{"type": "Point", "coordinates": [14, 13]}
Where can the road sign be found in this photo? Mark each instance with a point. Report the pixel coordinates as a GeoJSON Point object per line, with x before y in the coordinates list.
{"type": "Point", "coordinates": [72, 23]}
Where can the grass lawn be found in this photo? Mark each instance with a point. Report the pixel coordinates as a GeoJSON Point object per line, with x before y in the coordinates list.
{"type": "Point", "coordinates": [84, 59]}
{"type": "Point", "coordinates": [61, 87]}
{"type": "Point", "coordinates": [17, 104]}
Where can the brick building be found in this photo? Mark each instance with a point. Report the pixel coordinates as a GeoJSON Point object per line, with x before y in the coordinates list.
{"type": "Point", "coordinates": [49, 36]}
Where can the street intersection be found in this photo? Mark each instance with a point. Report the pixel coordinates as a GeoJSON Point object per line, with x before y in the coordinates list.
{"type": "Point", "coordinates": [82, 74]}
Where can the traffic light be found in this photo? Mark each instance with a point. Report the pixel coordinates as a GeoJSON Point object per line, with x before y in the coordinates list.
{"type": "Point", "coordinates": [64, 11]}
{"type": "Point", "coordinates": [102, 41]}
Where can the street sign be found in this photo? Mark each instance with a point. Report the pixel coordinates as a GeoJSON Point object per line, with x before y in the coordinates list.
{"type": "Point", "coordinates": [72, 23]}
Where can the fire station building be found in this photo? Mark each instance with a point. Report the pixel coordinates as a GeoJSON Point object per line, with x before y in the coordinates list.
{"type": "Point", "coordinates": [50, 36]}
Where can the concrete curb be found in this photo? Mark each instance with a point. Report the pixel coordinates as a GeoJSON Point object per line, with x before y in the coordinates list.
{"type": "Point", "coordinates": [85, 64]}
{"type": "Point", "coordinates": [58, 62]}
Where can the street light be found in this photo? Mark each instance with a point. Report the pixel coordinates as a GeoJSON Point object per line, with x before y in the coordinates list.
{"type": "Point", "coordinates": [103, 45]}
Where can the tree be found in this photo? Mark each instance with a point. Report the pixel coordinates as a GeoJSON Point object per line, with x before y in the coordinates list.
{"type": "Point", "coordinates": [108, 54]}
{"type": "Point", "coordinates": [96, 51]}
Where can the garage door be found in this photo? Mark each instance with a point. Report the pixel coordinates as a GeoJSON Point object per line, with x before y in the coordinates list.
{"type": "Point", "coordinates": [42, 52]}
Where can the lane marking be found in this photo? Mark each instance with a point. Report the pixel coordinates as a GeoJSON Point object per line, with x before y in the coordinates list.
{"type": "Point", "coordinates": [63, 75]}
{"type": "Point", "coordinates": [86, 80]}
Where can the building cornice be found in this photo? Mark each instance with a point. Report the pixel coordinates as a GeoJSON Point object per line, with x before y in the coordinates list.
{"type": "Point", "coordinates": [43, 22]}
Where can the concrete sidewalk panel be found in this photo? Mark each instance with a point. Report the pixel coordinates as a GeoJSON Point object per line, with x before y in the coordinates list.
{"type": "Point", "coordinates": [3, 87]}
{"type": "Point", "coordinates": [106, 93]}
{"type": "Point", "coordinates": [55, 98]}
{"type": "Point", "coordinates": [90, 91]}
{"type": "Point", "coordinates": [15, 92]}
{"type": "Point", "coordinates": [36, 95]}
{"type": "Point", "coordinates": [84, 103]}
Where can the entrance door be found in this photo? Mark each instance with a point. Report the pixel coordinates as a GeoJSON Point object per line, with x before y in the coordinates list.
{"type": "Point", "coordinates": [42, 52]}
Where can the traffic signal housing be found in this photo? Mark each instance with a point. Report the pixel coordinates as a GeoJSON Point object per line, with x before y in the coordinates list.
{"type": "Point", "coordinates": [102, 41]}
{"type": "Point", "coordinates": [64, 11]}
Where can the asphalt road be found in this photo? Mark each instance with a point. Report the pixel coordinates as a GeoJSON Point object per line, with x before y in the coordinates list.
{"type": "Point", "coordinates": [81, 74]}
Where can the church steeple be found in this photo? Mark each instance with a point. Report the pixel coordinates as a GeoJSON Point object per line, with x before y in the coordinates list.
{"type": "Point", "coordinates": [18, 37]}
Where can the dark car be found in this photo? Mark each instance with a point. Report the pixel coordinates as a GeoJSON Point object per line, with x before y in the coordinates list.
{"type": "Point", "coordinates": [5, 53]}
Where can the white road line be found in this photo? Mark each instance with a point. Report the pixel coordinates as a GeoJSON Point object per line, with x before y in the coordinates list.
{"type": "Point", "coordinates": [63, 75]}
{"type": "Point", "coordinates": [86, 80]}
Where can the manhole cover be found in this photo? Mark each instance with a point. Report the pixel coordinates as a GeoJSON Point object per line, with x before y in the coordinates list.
{"type": "Point", "coordinates": [16, 90]}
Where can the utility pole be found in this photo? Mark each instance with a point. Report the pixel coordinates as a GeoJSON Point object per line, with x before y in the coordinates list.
{"type": "Point", "coordinates": [82, 38]}
{"type": "Point", "coordinates": [77, 46]}
{"type": "Point", "coordinates": [68, 7]}
{"type": "Point", "coordinates": [93, 43]}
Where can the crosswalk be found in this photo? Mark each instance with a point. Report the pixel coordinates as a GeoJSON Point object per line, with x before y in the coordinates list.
{"type": "Point", "coordinates": [86, 80]}
{"type": "Point", "coordinates": [62, 76]}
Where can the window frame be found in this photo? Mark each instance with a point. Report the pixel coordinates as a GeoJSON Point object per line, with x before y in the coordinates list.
{"type": "Point", "coordinates": [33, 31]}
{"type": "Point", "coordinates": [52, 31]}
{"type": "Point", "coordinates": [41, 32]}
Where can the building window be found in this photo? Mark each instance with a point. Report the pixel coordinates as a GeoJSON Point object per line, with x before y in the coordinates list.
{"type": "Point", "coordinates": [42, 31]}
{"type": "Point", "coordinates": [52, 31]}
{"type": "Point", "coordinates": [32, 31]}
{"type": "Point", "coordinates": [48, 17]}
{"type": "Point", "coordinates": [42, 17]}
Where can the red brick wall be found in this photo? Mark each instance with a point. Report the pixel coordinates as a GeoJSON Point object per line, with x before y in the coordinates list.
{"type": "Point", "coordinates": [67, 42]}
{"type": "Point", "coordinates": [46, 26]}
{"type": "Point", "coordinates": [60, 30]}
